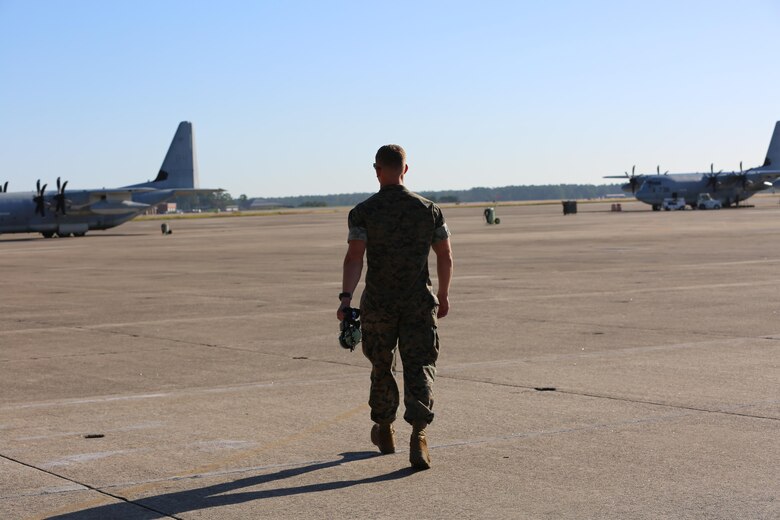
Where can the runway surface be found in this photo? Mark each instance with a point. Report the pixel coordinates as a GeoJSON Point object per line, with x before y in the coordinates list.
{"type": "Point", "coordinates": [597, 365]}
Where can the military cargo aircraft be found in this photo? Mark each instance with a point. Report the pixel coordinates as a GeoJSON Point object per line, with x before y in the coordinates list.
{"type": "Point", "coordinates": [74, 212]}
{"type": "Point", "coordinates": [729, 188]}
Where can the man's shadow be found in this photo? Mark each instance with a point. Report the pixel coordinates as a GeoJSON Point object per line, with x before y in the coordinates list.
{"type": "Point", "coordinates": [160, 506]}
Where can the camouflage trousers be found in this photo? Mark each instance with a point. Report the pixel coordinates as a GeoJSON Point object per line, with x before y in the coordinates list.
{"type": "Point", "coordinates": [414, 331]}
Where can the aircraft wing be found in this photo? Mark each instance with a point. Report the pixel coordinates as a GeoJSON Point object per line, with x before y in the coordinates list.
{"type": "Point", "coordinates": [113, 193]}
{"type": "Point", "coordinates": [767, 177]}
{"type": "Point", "coordinates": [768, 173]}
{"type": "Point", "coordinates": [106, 201]}
{"type": "Point", "coordinates": [127, 193]}
{"type": "Point", "coordinates": [194, 191]}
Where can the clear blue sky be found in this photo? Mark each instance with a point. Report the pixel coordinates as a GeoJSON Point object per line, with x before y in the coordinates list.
{"type": "Point", "coordinates": [294, 97]}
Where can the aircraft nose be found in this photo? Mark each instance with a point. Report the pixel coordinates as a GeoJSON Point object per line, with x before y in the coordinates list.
{"type": "Point", "coordinates": [641, 192]}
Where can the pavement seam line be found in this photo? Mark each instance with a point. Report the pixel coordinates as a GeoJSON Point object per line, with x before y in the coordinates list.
{"type": "Point", "coordinates": [618, 398]}
{"type": "Point", "coordinates": [67, 509]}
{"type": "Point", "coordinates": [196, 473]}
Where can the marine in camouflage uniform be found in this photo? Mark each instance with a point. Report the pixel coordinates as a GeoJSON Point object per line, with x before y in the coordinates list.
{"type": "Point", "coordinates": [396, 230]}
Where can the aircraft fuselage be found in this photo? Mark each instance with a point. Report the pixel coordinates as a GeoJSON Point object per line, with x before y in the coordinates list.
{"type": "Point", "coordinates": [74, 212]}
{"type": "Point", "coordinates": [18, 212]}
{"type": "Point", "coordinates": [726, 187]}
{"type": "Point", "coordinates": [656, 188]}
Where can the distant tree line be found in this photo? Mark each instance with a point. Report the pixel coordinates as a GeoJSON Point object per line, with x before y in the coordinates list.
{"type": "Point", "coordinates": [222, 201]}
{"type": "Point", "coordinates": [506, 193]}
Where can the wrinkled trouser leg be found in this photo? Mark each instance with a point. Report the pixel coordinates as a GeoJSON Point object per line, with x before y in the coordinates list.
{"type": "Point", "coordinates": [380, 335]}
{"type": "Point", "coordinates": [414, 330]}
{"type": "Point", "coordinates": [418, 344]}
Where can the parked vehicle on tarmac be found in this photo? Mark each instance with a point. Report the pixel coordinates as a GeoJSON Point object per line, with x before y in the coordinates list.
{"type": "Point", "coordinates": [705, 201]}
{"type": "Point", "coordinates": [675, 203]}
{"type": "Point", "coordinates": [490, 216]}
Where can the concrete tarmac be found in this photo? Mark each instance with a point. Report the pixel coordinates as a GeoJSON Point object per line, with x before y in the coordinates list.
{"type": "Point", "coordinates": [597, 365]}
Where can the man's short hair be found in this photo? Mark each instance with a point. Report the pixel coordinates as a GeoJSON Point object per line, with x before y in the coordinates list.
{"type": "Point", "coordinates": [391, 156]}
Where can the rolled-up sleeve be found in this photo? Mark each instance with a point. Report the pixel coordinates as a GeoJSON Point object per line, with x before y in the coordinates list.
{"type": "Point", "coordinates": [357, 227]}
{"type": "Point", "coordinates": [441, 233]}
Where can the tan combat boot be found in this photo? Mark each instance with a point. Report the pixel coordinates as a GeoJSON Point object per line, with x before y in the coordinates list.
{"type": "Point", "coordinates": [383, 436]}
{"type": "Point", "coordinates": [418, 447]}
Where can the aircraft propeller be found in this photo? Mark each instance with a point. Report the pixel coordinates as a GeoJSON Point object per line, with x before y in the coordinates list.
{"type": "Point", "coordinates": [712, 178]}
{"type": "Point", "coordinates": [658, 170]}
{"type": "Point", "coordinates": [59, 198]}
{"type": "Point", "coordinates": [4, 188]}
{"type": "Point", "coordinates": [632, 180]}
{"type": "Point", "coordinates": [742, 178]}
{"type": "Point", "coordinates": [38, 199]}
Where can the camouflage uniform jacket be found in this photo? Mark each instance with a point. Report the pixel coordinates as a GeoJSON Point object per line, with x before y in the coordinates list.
{"type": "Point", "coordinates": [399, 228]}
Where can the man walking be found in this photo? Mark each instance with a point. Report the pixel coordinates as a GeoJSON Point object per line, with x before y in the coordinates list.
{"type": "Point", "coordinates": [396, 229]}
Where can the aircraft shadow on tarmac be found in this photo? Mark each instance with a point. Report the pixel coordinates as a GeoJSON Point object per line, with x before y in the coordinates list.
{"type": "Point", "coordinates": [54, 241]}
{"type": "Point", "coordinates": [218, 495]}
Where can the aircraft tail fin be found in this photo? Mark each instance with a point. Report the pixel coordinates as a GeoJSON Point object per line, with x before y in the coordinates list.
{"type": "Point", "coordinates": [180, 167]}
{"type": "Point", "coordinates": [772, 160]}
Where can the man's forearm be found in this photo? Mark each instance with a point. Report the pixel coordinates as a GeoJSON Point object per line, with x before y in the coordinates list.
{"type": "Point", "coordinates": [444, 265]}
{"type": "Point", "coordinates": [444, 268]}
{"type": "Point", "coordinates": [353, 269]}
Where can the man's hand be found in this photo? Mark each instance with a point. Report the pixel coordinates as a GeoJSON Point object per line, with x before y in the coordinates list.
{"type": "Point", "coordinates": [345, 302]}
{"type": "Point", "coordinates": [444, 305]}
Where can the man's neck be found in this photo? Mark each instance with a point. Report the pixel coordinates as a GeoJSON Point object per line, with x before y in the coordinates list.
{"type": "Point", "coordinates": [391, 180]}
{"type": "Point", "coordinates": [397, 182]}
